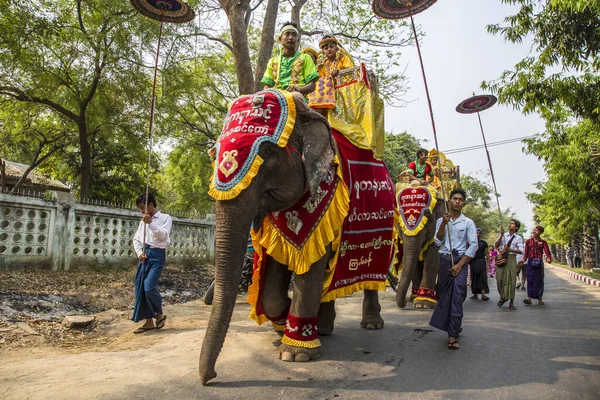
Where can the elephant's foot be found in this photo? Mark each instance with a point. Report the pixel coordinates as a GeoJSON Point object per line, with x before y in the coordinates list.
{"type": "Point", "coordinates": [298, 354]}
{"type": "Point", "coordinates": [372, 321]}
{"type": "Point", "coordinates": [423, 304]}
{"type": "Point", "coordinates": [326, 318]}
{"type": "Point", "coordinates": [371, 311]}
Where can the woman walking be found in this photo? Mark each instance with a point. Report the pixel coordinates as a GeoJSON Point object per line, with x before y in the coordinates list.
{"type": "Point", "coordinates": [493, 255]}
{"type": "Point", "coordinates": [535, 248]}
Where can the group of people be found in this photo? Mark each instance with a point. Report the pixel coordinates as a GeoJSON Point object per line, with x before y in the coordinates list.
{"type": "Point", "coordinates": [461, 245]}
{"type": "Point", "coordinates": [307, 72]}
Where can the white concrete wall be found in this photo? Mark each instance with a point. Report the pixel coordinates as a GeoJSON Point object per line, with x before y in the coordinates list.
{"type": "Point", "coordinates": [61, 234]}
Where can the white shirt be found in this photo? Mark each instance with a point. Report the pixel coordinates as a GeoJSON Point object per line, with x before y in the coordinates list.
{"type": "Point", "coordinates": [157, 233]}
{"type": "Point", "coordinates": [516, 244]}
{"type": "Point", "coordinates": [463, 235]}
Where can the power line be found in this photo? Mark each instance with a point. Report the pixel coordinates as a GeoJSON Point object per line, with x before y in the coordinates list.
{"type": "Point", "coordinates": [481, 146]}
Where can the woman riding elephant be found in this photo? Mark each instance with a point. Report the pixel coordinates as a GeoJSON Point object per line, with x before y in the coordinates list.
{"type": "Point", "coordinates": [278, 170]}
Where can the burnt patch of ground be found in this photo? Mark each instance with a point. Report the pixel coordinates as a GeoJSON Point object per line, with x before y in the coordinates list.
{"type": "Point", "coordinates": [34, 303]}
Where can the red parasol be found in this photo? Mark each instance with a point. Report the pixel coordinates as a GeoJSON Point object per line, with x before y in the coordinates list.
{"type": "Point", "coordinates": [400, 9]}
{"type": "Point", "coordinates": [173, 11]}
{"type": "Point", "coordinates": [476, 104]}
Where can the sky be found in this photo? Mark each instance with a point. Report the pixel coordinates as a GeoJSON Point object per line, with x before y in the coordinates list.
{"type": "Point", "coordinates": [458, 54]}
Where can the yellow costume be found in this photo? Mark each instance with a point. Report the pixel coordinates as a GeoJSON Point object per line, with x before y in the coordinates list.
{"type": "Point", "coordinates": [324, 94]}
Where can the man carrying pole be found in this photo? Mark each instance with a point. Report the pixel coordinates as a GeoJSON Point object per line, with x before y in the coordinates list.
{"type": "Point", "coordinates": [455, 228]}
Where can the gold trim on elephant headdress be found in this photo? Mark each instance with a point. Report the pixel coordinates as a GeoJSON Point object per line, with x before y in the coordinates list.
{"type": "Point", "coordinates": [412, 203]}
{"type": "Point", "coordinates": [266, 116]}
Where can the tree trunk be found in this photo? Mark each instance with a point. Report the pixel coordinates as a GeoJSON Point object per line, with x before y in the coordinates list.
{"type": "Point", "coordinates": [233, 226]}
{"type": "Point", "coordinates": [266, 43]}
{"type": "Point", "coordinates": [296, 8]}
{"type": "Point", "coordinates": [236, 12]}
{"type": "Point", "coordinates": [86, 163]}
{"type": "Point", "coordinates": [588, 248]}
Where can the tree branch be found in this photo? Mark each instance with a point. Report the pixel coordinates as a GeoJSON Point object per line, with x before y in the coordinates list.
{"type": "Point", "coordinates": [20, 95]}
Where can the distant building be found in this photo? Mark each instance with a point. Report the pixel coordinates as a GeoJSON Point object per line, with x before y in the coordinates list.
{"type": "Point", "coordinates": [11, 172]}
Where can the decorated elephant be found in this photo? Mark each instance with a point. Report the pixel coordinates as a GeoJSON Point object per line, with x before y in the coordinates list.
{"type": "Point", "coordinates": [419, 210]}
{"type": "Point", "coordinates": [420, 207]}
{"type": "Point", "coordinates": [280, 169]}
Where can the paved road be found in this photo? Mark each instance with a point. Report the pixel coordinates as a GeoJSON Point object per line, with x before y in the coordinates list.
{"type": "Point", "coordinates": [549, 352]}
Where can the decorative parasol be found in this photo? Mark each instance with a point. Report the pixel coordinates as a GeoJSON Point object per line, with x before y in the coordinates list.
{"type": "Point", "coordinates": [400, 9]}
{"type": "Point", "coordinates": [476, 104]}
{"type": "Point", "coordinates": [172, 11]}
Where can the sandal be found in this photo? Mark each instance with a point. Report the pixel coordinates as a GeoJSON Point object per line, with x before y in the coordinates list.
{"type": "Point", "coordinates": [527, 301]}
{"type": "Point", "coordinates": [474, 297]}
{"type": "Point", "coordinates": [485, 298]}
{"type": "Point", "coordinates": [512, 308]}
{"type": "Point", "coordinates": [453, 345]}
{"type": "Point", "coordinates": [501, 302]}
{"type": "Point", "coordinates": [161, 322]}
{"type": "Point", "coordinates": [141, 329]}
{"type": "Point", "coordinates": [541, 303]}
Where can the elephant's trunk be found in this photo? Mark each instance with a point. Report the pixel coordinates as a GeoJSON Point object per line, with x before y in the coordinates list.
{"type": "Point", "coordinates": [234, 218]}
{"type": "Point", "coordinates": [410, 259]}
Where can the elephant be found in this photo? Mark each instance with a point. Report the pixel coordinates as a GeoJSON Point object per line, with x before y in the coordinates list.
{"type": "Point", "coordinates": [420, 266]}
{"type": "Point", "coordinates": [285, 175]}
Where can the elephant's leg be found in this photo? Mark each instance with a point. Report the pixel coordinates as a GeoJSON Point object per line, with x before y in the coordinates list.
{"type": "Point", "coordinates": [426, 297]}
{"type": "Point", "coordinates": [306, 300]}
{"type": "Point", "coordinates": [416, 281]}
{"type": "Point", "coordinates": [275, 300]}
{"type": "Point", "coordinates": [371, 318]}
{"type": "Point", "coordinates": [326, 318]}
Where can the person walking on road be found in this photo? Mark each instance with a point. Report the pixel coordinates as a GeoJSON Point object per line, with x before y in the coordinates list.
{"type": "Point", "coordinates": [152, 256]}
{"type": "Point", "coordinates": [577, 258]}
{"type": "Point", "coordinates": [492, 258]}
{"type": "Point", "coordinates": [457, 230]}
{"type": "Point", "coordinates": [479, 265]}
{"type": "Point", "coordinates": [571, 256]}
{"type": "Point", "coordinates": [510, 244]}
{"type": "Point", "coordinates": [535, 248]}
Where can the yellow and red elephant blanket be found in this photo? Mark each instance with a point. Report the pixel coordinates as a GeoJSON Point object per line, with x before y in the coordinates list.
{"type": "Point", "coordinates": [354, 211]}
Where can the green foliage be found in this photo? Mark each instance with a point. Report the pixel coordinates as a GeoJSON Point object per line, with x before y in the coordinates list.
{"type": "Point", "coordinates": [570, 197]}
{"type": "Point", "coordinates": [400, 149]}
{"type": "Point", "coordinates": [565, 37]}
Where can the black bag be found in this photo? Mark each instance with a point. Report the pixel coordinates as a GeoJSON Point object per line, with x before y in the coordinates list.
{"type": "Point", "coordinates": [502, 258]}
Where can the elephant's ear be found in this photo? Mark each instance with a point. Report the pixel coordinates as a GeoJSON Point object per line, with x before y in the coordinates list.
{"type": "Point", "coordinates": [317, 146]}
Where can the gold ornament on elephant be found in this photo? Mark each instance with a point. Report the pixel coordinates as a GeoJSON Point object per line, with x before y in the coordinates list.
{"type": "Point", "coordinates": [229, 164]}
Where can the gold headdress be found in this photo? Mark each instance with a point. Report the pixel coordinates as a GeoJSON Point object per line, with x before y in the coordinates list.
{"type": "Point", "coordinates": [311, 52]}
{"type": "Point", "coordinates": [328, 38]}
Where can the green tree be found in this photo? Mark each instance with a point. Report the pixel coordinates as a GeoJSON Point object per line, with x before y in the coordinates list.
{"type": "Point", "coordinates": [84, 63]}
{"type": "Point", "coordinates": [400, 149]}
{"type": "Point", "coordinates": [566, 37]}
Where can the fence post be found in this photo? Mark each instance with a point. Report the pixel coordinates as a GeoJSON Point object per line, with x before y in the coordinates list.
{"type": "Point", "coordinates": [64, 226]}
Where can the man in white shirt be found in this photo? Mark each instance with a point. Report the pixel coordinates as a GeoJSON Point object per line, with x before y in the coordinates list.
{"type": "Point", "coordinates": [150, 247]}
{"type": "Point", "coordinates": [454, 230]}
{"type": "Point", "coordinates": [506, 276]}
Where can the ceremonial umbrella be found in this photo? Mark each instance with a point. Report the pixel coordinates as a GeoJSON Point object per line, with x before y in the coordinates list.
{"type": "Point", "coordinates": [475, 104]}
{"type": "Point", "coordinates": [400, 9]}
{"type": "Point", "coordinates": [173, 11]}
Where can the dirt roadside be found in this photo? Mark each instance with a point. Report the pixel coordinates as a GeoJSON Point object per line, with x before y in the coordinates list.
{"type": "Point", "coordinates": [33, 305]}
